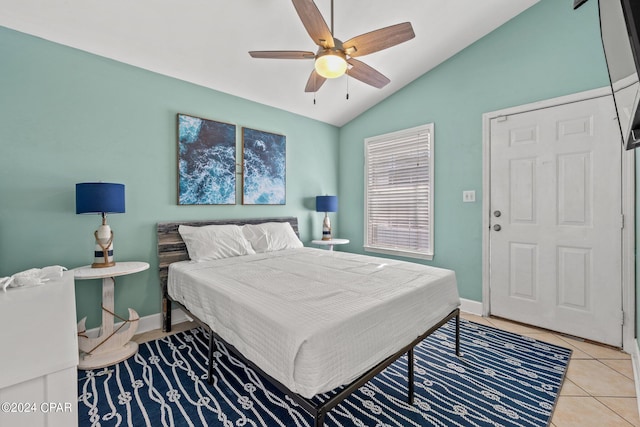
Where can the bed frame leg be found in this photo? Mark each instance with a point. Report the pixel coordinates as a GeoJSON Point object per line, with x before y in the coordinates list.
{"type": "Point", "coordinates": [166, 314]}
{"type": "Point", "coordinates": [458, 334]}
{"type": "Point", "coordinates": [319, 421]}
{"type": "Point", "coordinates": [210, 359]}
{"type": "Point", "coordinates": [410, 376]}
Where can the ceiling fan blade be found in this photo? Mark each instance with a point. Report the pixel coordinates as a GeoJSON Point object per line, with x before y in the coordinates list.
{"type": "Point", "coordinates": [314, 23]}
{"type": "Point", "coordinates": [315, 82]}
{"type": "Point", "coordinates": [366, 74]}
{"type": "Point", "coordinates": [377, 40]}
{"type": "Point", "coordinates": [282, 54]}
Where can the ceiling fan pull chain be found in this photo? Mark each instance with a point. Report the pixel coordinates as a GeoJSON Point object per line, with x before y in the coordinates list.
{"type": "Point", "coordinates": [316, 88]}
{"type": "Point", "coordinates": [347, 73]}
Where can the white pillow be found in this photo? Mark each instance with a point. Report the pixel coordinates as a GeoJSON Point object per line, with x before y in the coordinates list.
{"type": "Point", "coordinates": [214, 242]}
{"type": "Point", "coordinates": [271, 236]}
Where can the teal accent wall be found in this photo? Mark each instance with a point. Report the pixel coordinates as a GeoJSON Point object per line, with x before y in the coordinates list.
{"type": "Point", "coordinates": [68, 116]}
{"type": "Point", "coordinates": [549, 50]}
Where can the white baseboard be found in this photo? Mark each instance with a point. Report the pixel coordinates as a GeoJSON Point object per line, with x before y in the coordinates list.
{"type": "Point", "coordinates": [471, 307]}
{"type": "Point", "coordinates": [149, 323]}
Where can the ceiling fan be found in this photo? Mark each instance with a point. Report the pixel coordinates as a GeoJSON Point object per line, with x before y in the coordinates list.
{"type": "Point", "coordinates": [334, 57]}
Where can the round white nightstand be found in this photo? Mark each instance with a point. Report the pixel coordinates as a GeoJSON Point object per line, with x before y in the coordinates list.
{"type": "Point", "coordinates": [111, 346]}
{"type": "Point", "coordinates": [330, 242]}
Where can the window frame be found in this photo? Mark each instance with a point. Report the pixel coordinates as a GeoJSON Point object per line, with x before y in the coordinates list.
{"type": "Point", "coordinates": [391, 137]}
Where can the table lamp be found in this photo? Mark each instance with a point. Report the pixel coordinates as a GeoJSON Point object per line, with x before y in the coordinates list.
{"type": "Point", "coordinates": [101, 198]}
{"type": "Point", "coordinates": [326, 204]}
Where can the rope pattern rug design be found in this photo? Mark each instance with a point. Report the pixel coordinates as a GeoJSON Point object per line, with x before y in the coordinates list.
{"type": "Point", "coordinates": [502, 379]}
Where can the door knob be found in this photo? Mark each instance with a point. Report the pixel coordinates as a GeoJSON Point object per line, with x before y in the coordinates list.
{"type": "Point", "coordinates": [497, 227]}
{"type": "Point", "coordinates": [497, 214]}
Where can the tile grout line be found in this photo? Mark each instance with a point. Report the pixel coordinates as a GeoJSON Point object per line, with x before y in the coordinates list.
{"type": "Point", "coordinates": [616, 412]}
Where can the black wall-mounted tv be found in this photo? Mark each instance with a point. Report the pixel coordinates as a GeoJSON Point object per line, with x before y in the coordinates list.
{"type": "Point", "coordinates": [620, 30]}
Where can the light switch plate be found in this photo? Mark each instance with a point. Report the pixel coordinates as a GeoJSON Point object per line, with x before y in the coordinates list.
{"type": "Point", "coordinates": [469, 196]}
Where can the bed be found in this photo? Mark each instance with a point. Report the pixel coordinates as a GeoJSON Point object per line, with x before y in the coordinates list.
{"type": "Point", "coordinates": [309, 320]}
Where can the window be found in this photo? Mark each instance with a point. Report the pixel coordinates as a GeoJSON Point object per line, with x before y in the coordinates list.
{"type": "Point", "coordinates": [399, 193]}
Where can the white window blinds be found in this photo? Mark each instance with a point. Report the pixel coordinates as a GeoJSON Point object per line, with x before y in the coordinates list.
{"type": "Point", "coordinates": [399, 193]}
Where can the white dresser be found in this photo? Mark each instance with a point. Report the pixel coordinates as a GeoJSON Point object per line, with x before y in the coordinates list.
{"type": "Point", "coordinates": [39, 355]}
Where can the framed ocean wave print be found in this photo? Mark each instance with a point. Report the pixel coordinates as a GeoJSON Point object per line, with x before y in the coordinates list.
{"type": "Point", "coordinates": [206, 162]}
{"type": "Point", "coordinates": [263, 168]}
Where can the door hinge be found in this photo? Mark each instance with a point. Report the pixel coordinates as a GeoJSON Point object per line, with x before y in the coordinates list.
{"type": "Point", "coordinates": [622, 318]}
{"type": "Point", "coordinates": [621, 221]}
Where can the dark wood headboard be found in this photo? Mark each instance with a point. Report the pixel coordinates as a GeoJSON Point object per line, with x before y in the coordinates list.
{"type": "Point", "coordinates": [171, 248]}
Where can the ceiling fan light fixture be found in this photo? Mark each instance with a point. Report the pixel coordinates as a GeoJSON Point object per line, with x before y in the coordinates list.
{"type": "Point", "coordinates": [331, 64]}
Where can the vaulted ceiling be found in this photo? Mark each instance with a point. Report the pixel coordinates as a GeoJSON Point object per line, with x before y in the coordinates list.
{"type": "Point", "coordinates": [206, 42]}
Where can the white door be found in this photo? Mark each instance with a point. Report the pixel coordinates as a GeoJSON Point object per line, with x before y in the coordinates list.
{"type": "Point", "coordinates": [556, 222]}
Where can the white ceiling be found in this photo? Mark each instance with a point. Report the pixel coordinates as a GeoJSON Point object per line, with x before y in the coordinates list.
{"type": "Point", "coordinates": [206, 42]}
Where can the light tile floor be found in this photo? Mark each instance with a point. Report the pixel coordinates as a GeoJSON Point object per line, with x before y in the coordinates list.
{"type": "Point", "coordinates": [598, 389]}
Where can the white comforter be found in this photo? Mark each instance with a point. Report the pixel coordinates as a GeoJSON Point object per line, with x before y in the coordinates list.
{"type": "Point", "coordinates": [314, 319]}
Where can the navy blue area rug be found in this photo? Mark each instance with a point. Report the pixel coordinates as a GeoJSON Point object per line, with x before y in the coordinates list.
{"type": "Point", "coordinates": [502, 379]}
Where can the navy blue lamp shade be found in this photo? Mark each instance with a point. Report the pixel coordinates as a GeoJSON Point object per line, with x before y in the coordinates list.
{"type": "Point", "coordinates": [101, 198]}
{"type": "Point", "coordinates": [326, 203]}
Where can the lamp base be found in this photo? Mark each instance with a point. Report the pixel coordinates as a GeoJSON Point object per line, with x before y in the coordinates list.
{"type": "Point", "coordinates": [103, 264]}
{"type": "Point", "coordinates": [326, 228]}
{"type": "Point", "coordinates": [103, 253]}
